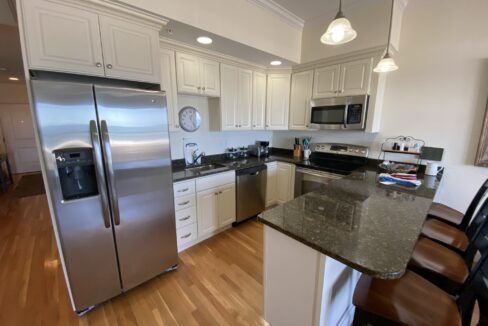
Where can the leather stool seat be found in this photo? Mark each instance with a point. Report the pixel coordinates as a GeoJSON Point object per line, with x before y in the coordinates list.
{"type": "Point", "coordinates": [446, 234]}
{"type": "Point", "coordinates": [443, 212]}
{"type": "Point", "coordinates": [409, 300]}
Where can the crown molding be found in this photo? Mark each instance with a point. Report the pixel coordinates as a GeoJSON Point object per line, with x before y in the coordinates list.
{"type": "Point", "coordinates": [281, 12]}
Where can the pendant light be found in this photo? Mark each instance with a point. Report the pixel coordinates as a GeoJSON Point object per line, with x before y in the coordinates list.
{"type": "Point", "coordinates": [387, 63]}
{"type": "Point", "coordinates": [339, 30]}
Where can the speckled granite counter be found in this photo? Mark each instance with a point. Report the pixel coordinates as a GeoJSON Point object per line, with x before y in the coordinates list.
{"type": "Point", "coordinates": [357, 221]}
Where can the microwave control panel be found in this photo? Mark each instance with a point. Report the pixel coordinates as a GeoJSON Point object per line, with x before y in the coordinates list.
{"type": "Point", "coordinates": [354, 113]}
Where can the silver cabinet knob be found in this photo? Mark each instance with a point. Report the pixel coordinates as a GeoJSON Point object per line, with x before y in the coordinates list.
{"type": "Point", "coordinates": [203, 88]}
{"type": "Point", "coordinates": [237, 126]}
{"type": "Point", "coordinates": [109, 66]}
{"type": "Point", "coordinates": [98, 64]}
{"type": "Point", "coordinates": [199, 88]}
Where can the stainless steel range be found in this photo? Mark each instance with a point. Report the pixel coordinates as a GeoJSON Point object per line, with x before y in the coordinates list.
{"type": "Point", "coordinates": [328, 161]}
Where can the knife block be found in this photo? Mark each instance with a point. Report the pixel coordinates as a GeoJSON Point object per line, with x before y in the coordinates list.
{"type": "Point", "coordinates": [297, 151]}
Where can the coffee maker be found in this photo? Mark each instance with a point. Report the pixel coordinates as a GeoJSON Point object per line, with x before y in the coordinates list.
{"type": "Point", "coordinates": [260, 149]}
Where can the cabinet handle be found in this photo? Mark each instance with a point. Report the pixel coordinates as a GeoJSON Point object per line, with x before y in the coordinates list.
{"type": "Point", "coordinates": [203, 88]}
{"type": "Point", "coordinates": [184, 190]}
{"type": "Point", "coordinates": [185, 218]}
{"type": "Point", "coordinates": [220, 192]}
{"type": "Point", "coordinates": [237, 126]}
{"type": "Point", "coordinates": [216, 193]}
{"type": "Point", "coordinates": [185, 236]}
{"type": "Point", "coordinates": [98, 64]}
{"type": "Point", "coordinates": [109, 66]}
{"type": "Point", "coordinates": [184, 203]}
{"type": "Point", "coordinates": [199, 88]}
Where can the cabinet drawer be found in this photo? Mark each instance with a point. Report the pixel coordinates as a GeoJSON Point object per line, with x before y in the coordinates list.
{"type": "Point", "coordinates": [184, 202]}
{"type": "Point", "coordinates": [184, 188]}
{"type": "Point", "coordinates": [186, 234]}
{"type": "Point", "coordinates": [215, 180]}
{"type": "Point", "coordinates": [186, 216]}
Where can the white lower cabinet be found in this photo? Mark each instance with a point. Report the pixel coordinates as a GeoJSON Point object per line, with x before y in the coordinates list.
{"type": "Point", "coordinates": [204, 207]}
{"type": "Point", "coordinates": [280, 183]}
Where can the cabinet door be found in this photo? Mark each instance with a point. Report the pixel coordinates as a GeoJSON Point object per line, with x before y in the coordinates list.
{"type": "Point", "coordinates": [271, 185]}
{"type": "Point", "coordinates": [258, 101]}
{"type": "Point", "coordinates": [227, 205]}
{"type": "Point", "coordinates": [168, 84]}
{"type": "Point", "coordinates": [187, 73]}
{"type": "Point", "coordinates": [210, 77]}
{"type": "Point", "coordinates": [355, 77]}
{"type": "Point", "coordinates": [326, 81]}
{"type": "Point", "coordinates": [130, 51]}
{"type": "Point", "coordinates": [229, 98]}
{"type": "Point", "coordinates": [244, 99]}
{"type": "Point", "coordinates": [277, 101]}
{"type": "Point", "coordinates": [207, 211]}
{"type": "Point", "coordinates": [301, 95]}
{"type": "Point", "coordinates": [284, 181]}
{"type": "Point", "coordinates": [62, 38]}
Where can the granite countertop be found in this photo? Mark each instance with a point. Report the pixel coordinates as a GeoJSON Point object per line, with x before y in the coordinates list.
{"type": "Point", "coordinates": [371, 227]}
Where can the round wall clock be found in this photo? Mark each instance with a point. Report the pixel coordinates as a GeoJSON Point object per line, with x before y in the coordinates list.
{"type": "Point", "coordinates": [190, 119]}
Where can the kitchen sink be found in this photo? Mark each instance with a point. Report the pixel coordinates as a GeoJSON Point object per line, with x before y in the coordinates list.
{"type": "Point", "coordinates": [207, 168]}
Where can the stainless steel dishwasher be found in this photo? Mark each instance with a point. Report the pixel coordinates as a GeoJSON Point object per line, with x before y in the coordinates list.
{"type": "Point", "coordinates": [250, 192]}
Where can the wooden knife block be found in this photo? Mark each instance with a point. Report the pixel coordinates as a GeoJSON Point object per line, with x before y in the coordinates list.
{"type": "Point", "coordinates": [297, 151]}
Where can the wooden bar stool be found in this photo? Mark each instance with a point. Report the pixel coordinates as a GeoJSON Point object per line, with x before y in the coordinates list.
{"type": "Point", "coordinates": [444, 267]}
{"type": "Point", "coordinates": [454, 217]}
{"type": "Point", "coordinates": [412, 300]}
{"type": "Point", "coordinates": [453, 237]}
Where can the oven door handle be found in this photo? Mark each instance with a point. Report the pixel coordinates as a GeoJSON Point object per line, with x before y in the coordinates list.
{"type": "Point", "coordinates": [316, 173]}
{"type": "Point", "coordinates": [346, 109]}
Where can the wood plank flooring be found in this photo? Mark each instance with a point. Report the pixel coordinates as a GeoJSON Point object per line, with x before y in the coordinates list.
{"type": "Point", "coordinates": [218, 282]}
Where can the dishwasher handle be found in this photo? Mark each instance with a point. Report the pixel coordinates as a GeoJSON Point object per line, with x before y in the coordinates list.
{"type": "Point", "coordinates": [253, 170]}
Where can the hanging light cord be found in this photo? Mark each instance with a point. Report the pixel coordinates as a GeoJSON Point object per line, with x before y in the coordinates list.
{"type": "Point", "coordinates": [389, 31]}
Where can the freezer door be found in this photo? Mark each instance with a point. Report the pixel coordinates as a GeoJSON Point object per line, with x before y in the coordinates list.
{"type": "Point", "coordinates": [65, 119]}
{"type": "Point", "coordinates": [135, 143]}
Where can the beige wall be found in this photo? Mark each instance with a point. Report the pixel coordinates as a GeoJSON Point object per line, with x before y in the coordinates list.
{"type": "Point", "coordinates": [239, 20]}
{"type": "Point", "coordinates": [439, 93]}
{"type": "Point", "coordinates": [13, 93]}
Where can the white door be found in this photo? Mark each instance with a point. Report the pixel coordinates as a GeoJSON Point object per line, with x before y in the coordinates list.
{"type": "Point", "coordinates": [207, 211]}
{"type": "Point", "coordinates": [244, 99]}
{"type": "Point", "coordinates": [130, 51]}
{"type": "Point", "coordinates": [168, 84]}
{"type": "Point", "coordinates": [227, 205]}
{"type": "Point", "coordinates": [326, 81]}
{"type": "Point", "coordinates": [277, 101]}
{"type": "Point", "coordinates": [18, 131]}
{"type": "Point", "coordinates": [258, 101]}
{"type": "Point", "coordinates": [284, 182]}
{"type": "Point", "coordinates": [210, 77]}
{"type": "Point", "coordinates": [62, 38]}
{"type": "Point", "coordinates": [355, 77]}
{"type": "Point", "coordinates": [187, 73]}
{"type": "Point", "coordinates": [301, 95]}
{"type": "Point", "coordinates": [271, 185]}
{"type": "Point", "coordinates": [229, 98]}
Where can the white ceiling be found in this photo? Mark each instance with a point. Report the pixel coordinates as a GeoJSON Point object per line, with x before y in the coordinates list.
{"type": "Point", "coordinates": [308, 9]}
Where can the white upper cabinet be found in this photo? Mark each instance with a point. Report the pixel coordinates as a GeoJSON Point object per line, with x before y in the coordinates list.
{"type": "Point", "coordinates": [130, 51]}
{"type": "Point", "coordinates": [258, 101]}
{"type": "Point", "coordinates": [277, 101]}
{"type": "Point", "coordinates": [326, 81]}
{"type": "Point", "coordinates": [67, 39]}
{"type": "Point", "coordinates": [244, 99]}
{"type": "Point", "coordinates": [355, 77]}
{"type": "Point", "coordinates": [168, 84]}
{"type": "Point", "coordinates": [197, 76]}
{"type": "Point", "coordinates": [62, 38]}
{"type": "Point", "coordinates": [350, 78]}
{"type": "Point", "coordinates": [228, 97]}
{"type": "Point", "coordinates": [301, 95]}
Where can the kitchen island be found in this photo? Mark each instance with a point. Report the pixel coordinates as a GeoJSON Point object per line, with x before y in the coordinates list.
{"type": "Point", "coordinates": [317, 245]}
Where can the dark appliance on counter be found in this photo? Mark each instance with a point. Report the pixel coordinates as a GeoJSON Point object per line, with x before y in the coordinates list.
{"type": "Point", "coordinates": [250, 191]}
{"type": "Point", "coordinates": [328, 161]}
{"type": "Point", "coordinates": [347, 112]}
{"type": "Point", "coordinates": [260, 149]}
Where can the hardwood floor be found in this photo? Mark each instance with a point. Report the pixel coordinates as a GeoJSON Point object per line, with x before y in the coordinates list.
{"type": "Point", "coordinates": [218, 282]}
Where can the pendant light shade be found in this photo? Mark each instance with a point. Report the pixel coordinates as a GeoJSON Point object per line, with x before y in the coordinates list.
{"type": "Point", "coordinates": [339, 30]}
{"type": "Point", "coordinates": [387, 63]}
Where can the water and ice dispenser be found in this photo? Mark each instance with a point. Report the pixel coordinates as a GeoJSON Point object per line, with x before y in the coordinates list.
{"type": "Point", "coordinates": [76, 170]}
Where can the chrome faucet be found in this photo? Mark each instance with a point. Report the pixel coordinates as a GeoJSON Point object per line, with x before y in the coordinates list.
{"type": "Point", "coordinates": [197, 157]}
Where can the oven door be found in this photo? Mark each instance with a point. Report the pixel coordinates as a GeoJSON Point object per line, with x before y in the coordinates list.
{"type": "Point", "coordinates": [308, 180]}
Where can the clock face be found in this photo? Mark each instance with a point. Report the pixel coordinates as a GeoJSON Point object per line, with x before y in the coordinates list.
{"type": "Point", "coordinates": [190, 119]}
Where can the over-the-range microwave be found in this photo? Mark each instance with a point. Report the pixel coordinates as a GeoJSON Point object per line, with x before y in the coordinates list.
{"type": "Point", "coordinates": [346, 112]}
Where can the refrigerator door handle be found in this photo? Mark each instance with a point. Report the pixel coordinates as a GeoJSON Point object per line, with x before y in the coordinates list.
{"type": "Point", "coordinates": [111, 177]}
{"type": "Point", "coordinates": [99, 172]}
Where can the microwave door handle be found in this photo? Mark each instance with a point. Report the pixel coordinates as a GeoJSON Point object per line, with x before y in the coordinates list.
{"type": "Point", "coordinates": [345, 116]}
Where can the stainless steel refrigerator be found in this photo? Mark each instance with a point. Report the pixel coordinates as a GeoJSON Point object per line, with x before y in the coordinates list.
{"type": "Point", "coordinates": [106, 160]}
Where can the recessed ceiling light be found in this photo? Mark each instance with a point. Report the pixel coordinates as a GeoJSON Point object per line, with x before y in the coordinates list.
{"type": "Point", "coordinates": [204, 40]}
{"type": "Point", "coordinates": [275, 63]}
{"type": "Point", "coordinates": [13, 78]}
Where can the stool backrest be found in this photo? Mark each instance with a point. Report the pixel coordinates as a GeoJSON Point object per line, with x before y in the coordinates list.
{"type": "Point", "coordinates": [478, 235]}
{"type": "Point", "coordinates": [477, 221]}
{"type": "Point", "coordinates": [473, 206]}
